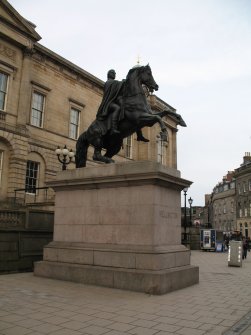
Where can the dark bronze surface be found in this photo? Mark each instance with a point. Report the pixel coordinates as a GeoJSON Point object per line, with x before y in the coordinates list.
{"type": "Point", "coordinates": [123, 111]}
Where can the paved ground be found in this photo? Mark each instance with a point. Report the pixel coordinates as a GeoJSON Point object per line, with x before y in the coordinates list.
{"type": "Point", "coordinates": [220, 303]}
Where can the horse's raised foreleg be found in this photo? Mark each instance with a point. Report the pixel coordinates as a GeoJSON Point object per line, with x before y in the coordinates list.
{"type": "Point", "coordinates": [178, 118]}
{"type": "Point", "coordinates": [163, 113]}
{"type": "Point", "coordinates": [150, 119]}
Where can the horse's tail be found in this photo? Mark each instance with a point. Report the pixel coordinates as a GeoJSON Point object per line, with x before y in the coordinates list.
{"type": "Point", "coordinates": [81, 151]}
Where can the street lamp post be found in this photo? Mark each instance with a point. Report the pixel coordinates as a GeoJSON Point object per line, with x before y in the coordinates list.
{"type": "Point", "coordinates": [64, 156]}
{"type": "Point", "coordinates": [190, 201]}
{"type": "Point", "coordinates": [185, 215]}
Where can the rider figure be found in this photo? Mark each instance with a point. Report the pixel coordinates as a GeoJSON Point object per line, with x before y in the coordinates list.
{"type": "Point", "coordinates": [109, 105]}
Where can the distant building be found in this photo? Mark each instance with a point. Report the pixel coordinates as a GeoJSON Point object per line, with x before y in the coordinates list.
{"type": "Point", "coordinates": [229, 205]}
{"type": "Point", "coordinates": [243, 196]}
{"type": "Point", "coordinates": [223, 204]}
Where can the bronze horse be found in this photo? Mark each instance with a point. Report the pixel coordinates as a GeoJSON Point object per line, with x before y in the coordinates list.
{"type": "Point", "coordinates": [135, 114]}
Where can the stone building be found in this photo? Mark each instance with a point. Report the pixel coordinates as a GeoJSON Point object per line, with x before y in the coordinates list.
{"type": "Point", "coordinates": [223, 204]}
{"type": "Point", "coordinates": [45, 102]}
{"type": "Point", "coordinates": [243, 196]}
{"type": "Point", "coordinates": [229, 205]}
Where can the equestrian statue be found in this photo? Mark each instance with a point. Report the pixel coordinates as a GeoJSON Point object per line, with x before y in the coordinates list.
{"type": "Point", "coordinates": [123, 111]}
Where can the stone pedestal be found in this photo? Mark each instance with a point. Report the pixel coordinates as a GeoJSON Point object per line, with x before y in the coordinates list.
{"type": "Point", "coordinates": [118, 226]}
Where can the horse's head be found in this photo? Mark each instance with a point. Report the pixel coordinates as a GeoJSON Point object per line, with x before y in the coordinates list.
{"type": "Point", "coordinates": [138, 76]}
{"type": "Point", "coordinates": [147, 78]}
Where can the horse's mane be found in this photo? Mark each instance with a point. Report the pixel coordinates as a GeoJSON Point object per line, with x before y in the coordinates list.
{"type": "Point", "coordinates": [136, 68]}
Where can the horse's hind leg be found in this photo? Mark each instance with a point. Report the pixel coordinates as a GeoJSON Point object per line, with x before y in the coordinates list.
{"type": "Point", "coordinates": [113, 149]}
{"type": "Point", "coordinates": [81, 151]}
{"type": "Point", "coordinates": [97, 143]}
{"type": "Point", "coordinates": [97, 155]}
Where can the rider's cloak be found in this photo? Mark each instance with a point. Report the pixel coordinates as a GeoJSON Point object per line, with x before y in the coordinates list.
{"type": "Point", "coordinates": [112, 89]}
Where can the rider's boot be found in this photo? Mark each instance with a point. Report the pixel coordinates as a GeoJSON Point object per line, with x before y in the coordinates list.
{"type": "Point", "coordinates": [140, 137]}
{"type": "Point", "coordinates": [114, 127]}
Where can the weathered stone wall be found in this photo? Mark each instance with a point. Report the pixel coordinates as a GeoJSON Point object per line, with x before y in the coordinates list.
{"type": "Point", "coordinates": [23, 234]}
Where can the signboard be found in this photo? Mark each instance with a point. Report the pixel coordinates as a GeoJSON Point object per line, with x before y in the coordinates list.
{"type": "Point", "coordinates": [219, 247]}
{"type": "Point", "coordinates": [206, 239]}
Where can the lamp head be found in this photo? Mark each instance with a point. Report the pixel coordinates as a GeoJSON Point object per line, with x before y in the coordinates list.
{"type": "Point", "coordinates": [71, 154]}
{"type": "Point", "coordinates": [190, 201]}
{"type": "Point", "coordinates": [185, 189]}
{"type": "Point", "coordinates": [58, 151]}
{"type": "Point", "coordinates": [65, 151]}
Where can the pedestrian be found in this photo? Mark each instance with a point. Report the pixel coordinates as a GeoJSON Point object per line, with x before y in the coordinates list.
{"type": "Point", "coordinates": [244, 248]}
{"type": "Point", "coordinates": [249, 243]}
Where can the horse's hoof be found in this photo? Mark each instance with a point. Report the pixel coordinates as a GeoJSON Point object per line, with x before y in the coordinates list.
{"type": "Point", "coordinates": [98, 158]}
{"type": "Point", "coordinates": [142, 139]}
{"type": "Point", "coordinates": [109, 160]}
{"type": "Point", "coordinates": [103, 159]}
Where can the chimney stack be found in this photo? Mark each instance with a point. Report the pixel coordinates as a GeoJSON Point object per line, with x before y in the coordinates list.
{"type": "Point", "coordinates": [246, 158]}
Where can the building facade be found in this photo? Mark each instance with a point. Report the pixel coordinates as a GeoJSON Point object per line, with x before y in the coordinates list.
{"type": "Point", "coordinates": [243, 196]}
{"type": "Point", "coordinates": [45, 102]}
{"type": "Point", "coordinates": [229, 205]}
{"type": "Point", "coordinates": [223, 204]}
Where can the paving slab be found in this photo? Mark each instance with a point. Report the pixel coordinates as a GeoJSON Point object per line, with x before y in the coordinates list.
{"type": "Point", "coordinates": [219, 304]}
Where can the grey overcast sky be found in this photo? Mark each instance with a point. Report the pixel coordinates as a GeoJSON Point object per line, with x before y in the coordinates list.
{"type": "Point", "coordinates": [200, 55]}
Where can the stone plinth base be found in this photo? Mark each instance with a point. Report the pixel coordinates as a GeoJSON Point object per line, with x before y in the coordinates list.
{"type": "Point", "coordinates": [119, 226]}
{"type": "Point", "coordinates": [152, 282]}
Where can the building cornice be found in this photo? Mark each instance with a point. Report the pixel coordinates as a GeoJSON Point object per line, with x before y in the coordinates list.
{"type": "Point", "coordinates": [94, 81]}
